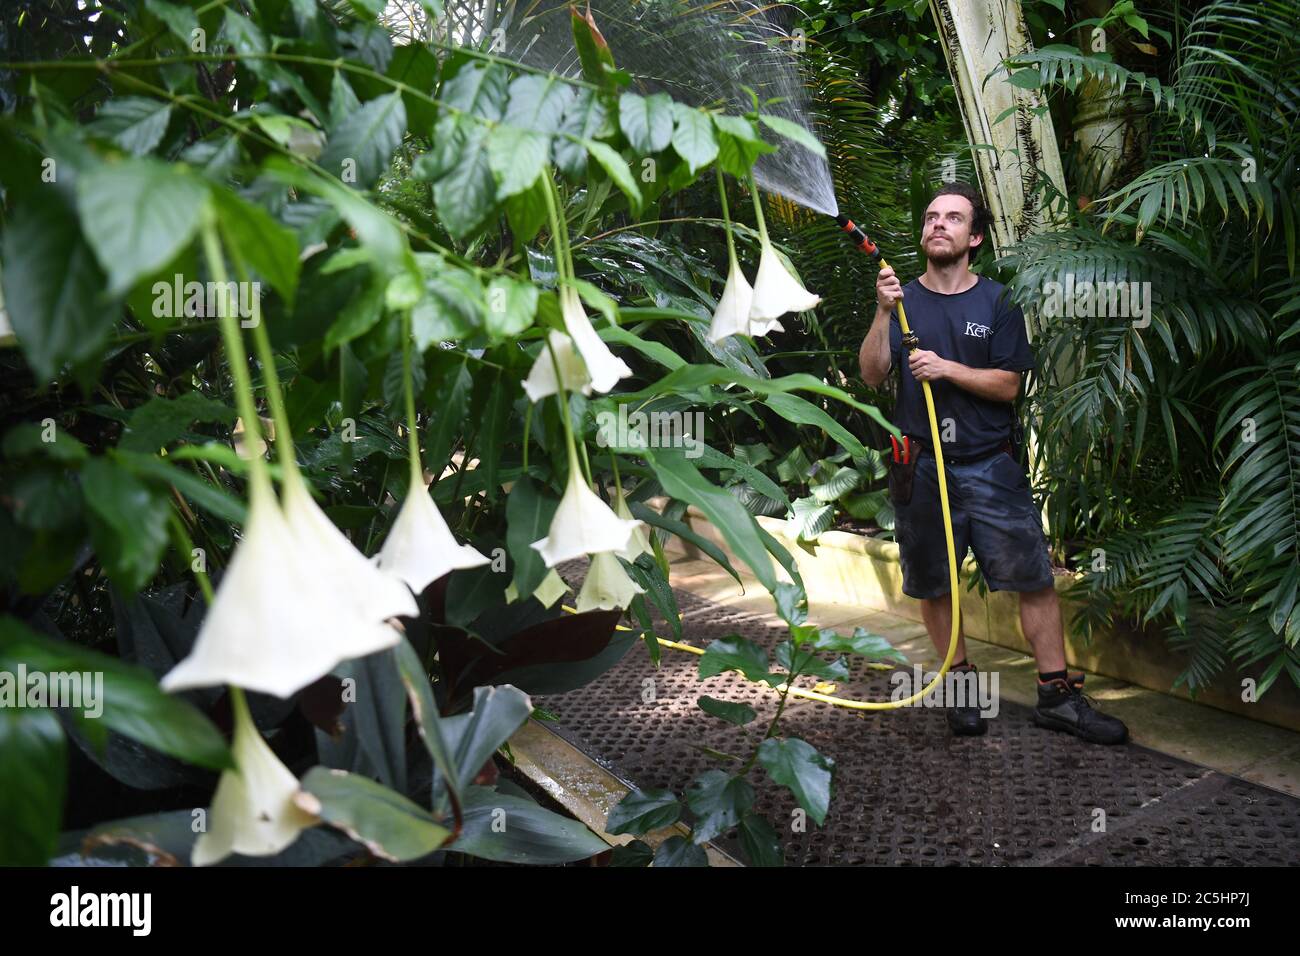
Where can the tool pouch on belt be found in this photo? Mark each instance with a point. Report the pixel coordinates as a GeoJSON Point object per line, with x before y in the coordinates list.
{"type": "Point", "coordinates": [900, 479]}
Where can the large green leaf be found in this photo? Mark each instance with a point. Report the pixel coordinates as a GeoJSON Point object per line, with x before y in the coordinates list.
{"type": "Point", "coordinates": [128, 523]}
{"type": "Point", "coordinates": [680, 479]}
{"type": "Point", "coordinates": [268, 248]}
{"type": "Point", "coordinates": [133, 704]}
{"type": "Point", "coordinates": [642, 811]}
{"type": "Point", "coordinates": [793, 763]}
{"type": "Point", "coordinates": [34, 767]}
{"type": "Point", "coordinates": [616, 168]}
{"type": "Point", "coordinates": [693, 137]}
{"type": "Point", "coordinates": [718, 801]}
{"type": "Point", "coordinates": [53, 288]}
{"type": "Point", "coordinates": [646, 121]}
{"type": "Point", "coordinates": [473, 738]}
{"type": "Point", "coordinates": [135, 123]}
{"type": "Point", "coordinates": [736, 653]}
{"type": "Point", "coordinates": [466, 194]}
{"type": "Point", "coordinates": [388, 824]}
{"type": "Point", "coordinates": [538, 103]}
{"type": "Point", "coordinates": [584, 118]}
{"type": "Point", "coordinates": [361, 145]}
{"type": "Point", "coordinates": [517, 157]}
{"type": "Point", "coordinates": [137, 214]}
{"type": "Point", "coordinates": [512, 829]}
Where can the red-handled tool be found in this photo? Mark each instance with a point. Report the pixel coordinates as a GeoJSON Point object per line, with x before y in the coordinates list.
{"type": "Point", "coordinates": [907, 449]}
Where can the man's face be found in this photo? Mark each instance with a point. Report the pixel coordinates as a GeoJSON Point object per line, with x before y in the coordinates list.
{"type": "Point", "coordinates": [945, 234]}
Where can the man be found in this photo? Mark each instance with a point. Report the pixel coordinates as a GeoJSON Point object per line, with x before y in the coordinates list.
{"type": "Point", "coordinates": [973, 352]}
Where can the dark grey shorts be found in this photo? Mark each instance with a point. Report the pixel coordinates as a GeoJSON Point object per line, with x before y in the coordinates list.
{"type": "Point", "coordinates": [993, 513]}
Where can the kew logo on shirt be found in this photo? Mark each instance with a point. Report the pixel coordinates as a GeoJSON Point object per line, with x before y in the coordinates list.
{"type": "Point", "coordinates": [975, 330]}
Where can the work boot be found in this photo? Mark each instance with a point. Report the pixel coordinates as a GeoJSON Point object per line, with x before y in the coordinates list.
{"type": "Point", "coordinates": [1062, 705]}
{"type": "Point", "coordinates": [965, 721]}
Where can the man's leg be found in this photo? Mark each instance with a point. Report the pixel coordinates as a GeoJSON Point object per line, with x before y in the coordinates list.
{"type": "Point", "coordinates": [1007, 536]}
{"type": "Point", "coordinates": [937, 614]}
{"type": "Point", "coordinates": [1040, 617]}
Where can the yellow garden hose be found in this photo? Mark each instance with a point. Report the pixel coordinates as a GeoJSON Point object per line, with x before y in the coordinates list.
{"type": "Point", "coordinates": [952, 576]}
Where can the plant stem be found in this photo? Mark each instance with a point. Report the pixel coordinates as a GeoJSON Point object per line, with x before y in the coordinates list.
{"type": "Point", "coordinates": [726, 217]}
{"type": "Point", "coordinates": [408, 383]}
{"type": "Point", "coordinates": [758, 209]}
{"type": "Point", "coordinates": [259, 474]}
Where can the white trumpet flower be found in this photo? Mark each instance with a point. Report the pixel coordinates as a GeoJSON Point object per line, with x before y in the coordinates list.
{"type": "Point", "coordinates": [541, 380]}
{"type": "Point", "coordinates": [376, 594]}
{"type": "Point", "coordinates": [604, 368]}
{"type": "Point", "coordinates": [420, 548]}
{"type": "Point", "coordinates": [776, 292]}
{"type": "Point", "coordinates": [278, 620]}
{"type": "Point", "coordinates": [583, 524]}
{"type": "Point", "coordinates": [252, 811]}
{"type": "Point", "coordinates": [638, 544]}
{"type": "Point", "coordinates": [607, 585]}
{"type": "Point", "coordinates": [731, 317]}
{"type": "Point", "coordinates": [548, 592]}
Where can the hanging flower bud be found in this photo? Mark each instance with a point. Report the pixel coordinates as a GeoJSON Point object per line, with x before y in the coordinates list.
{"type": "Point", "coordinates": [607, 585]}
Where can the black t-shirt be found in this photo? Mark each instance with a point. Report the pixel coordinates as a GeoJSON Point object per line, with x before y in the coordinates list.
{"type": "Point", "coordinates": [978, 328]}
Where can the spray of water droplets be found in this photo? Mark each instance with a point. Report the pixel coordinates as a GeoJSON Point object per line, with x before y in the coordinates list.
{"type": "Point", "coordinates": [700, 52]}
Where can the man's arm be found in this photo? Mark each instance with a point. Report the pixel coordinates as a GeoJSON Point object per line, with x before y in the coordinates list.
{"type": "Point", "coordinates": [874, 360]}
{"type": "Point", "coordinates": [995, 384]}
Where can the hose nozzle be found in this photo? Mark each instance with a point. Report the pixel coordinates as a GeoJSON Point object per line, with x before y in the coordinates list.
{"type": "Point", "coordinates": [859, 238]}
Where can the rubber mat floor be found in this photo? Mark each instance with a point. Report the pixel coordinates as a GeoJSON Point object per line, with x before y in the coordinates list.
{"type": "Point", "coordinates": [905, 791]}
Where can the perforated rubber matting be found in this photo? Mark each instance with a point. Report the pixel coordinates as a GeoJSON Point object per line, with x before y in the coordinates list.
{"type": "Point", "coordinates": [907, 792]}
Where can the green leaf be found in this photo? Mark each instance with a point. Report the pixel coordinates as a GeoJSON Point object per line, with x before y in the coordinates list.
{"type": "Point", "coordinates": [424, 709]}
{"type": "Point", "coordinates": [738, 145]}
{"type": "Point", "coordinates": [738, 714]}
{"type": "Point", "coordinates": [468, 192]}
{"type": "Point", "coordinates": [378, 232]}
{"type": "Point", "coordinates": [448, 405]}
{"type": "Point", "coordinates": [718, 801]}
{"type": "Point", "coordinates": [760, 842]}
{"type": "Point", "coordinates": [678, 851]}
{"type": "Point", "coordinates": [160, 421]}
{"type": "Point", "coordinates": [585, 118]}
{"type": "Point", "coordinates": [128, 523]}
{"type": "Point", "coordinates": [34, 767]}
{"type": "Point", "coordinates": [529, 511]}
{"type": "Point", "coordinates": [388, 824]}
{"type": "Point", "coordinates": [793, 131]}
{"type": "Point", "coordinates": [635, 853]}
{"type": "Point", "coordinates": [511, 306]}
{"type": "Point", "coordinates": [364, 141]}
{"type": "Point", "coordinates": [805, 661]}
{"type": "Point", "coordinates": [473, 738]}
{"type": "Point", "coordinates": [862, 642]}
{"type": "Point", "coordinates": [53, 288]}
{"type": "Point", "coordinates": [793, 763]}
{"type": "Point", "coordinates": [181, 21]}
{"type": "Point", "coordinates": [138, 215]}
{"type": "Point", "coordinates": [359, 316]}
{"type": "Point", "coordinates": [646, 121]}
{"type": "Point", "coordinates": [511, 829]}
{"type": "Point", "coordinates": [211, 498]}
{"type": "Point", "coordinates": [538, 103]}
{"type": "Point", "coordinates": [269, 249]}
{"type": "Point", "coordinates": [617, 169]}
{"type": "Point", "coordinates": [643, 811]}
{"type": "Point", "coordinates": [736, 653]}
{"type": "Point", "coordinates": [135, 123]}
{"type": "Point", "coordinates": [133, 704]}
{"type": "Point", "coordinates": [693, 137]}
{"type": "Point", "coordinates": [681, 479]}
{"type": "Point", "coordinates": [517, 157]}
